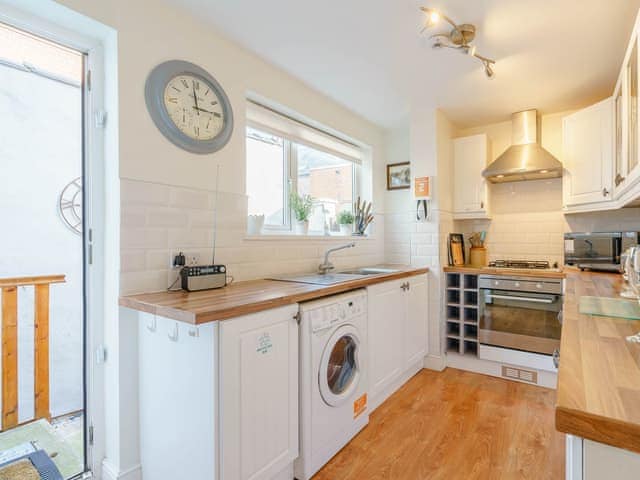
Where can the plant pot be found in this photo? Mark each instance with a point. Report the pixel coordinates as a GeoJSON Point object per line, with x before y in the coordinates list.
{"type": "Point", "coordinates": [302, 227]}
{"type": "Point", "coordinates": [346, 228]}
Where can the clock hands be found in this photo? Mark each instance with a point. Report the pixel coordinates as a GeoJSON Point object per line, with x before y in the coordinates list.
{"type": "Point", "coordinates": [203, 110]}
{"type": "Point", "coordinates": [195, 96]}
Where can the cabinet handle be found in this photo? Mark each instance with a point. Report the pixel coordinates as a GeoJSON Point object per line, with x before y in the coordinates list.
{"type": "Point", "coordinates": [605, 192]}
{"type": "Point", "coordinates": [556, 358]}
{"type": "Point", "coordinates": [481, 205]}
{"type": "Point", "coordinates": [408, 286]}
{"type": "Point", "coordinates": [404, 286]}
{"type": "Point", "coordinates": [619, 179]}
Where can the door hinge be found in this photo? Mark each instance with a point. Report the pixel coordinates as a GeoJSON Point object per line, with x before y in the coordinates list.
{"type": "Point", "coordinates": [101, 118]}
{"type": "Point", "coordinates": [101, 354]}
{"type": "Point", "coordinates": [88, 80]}
{"type": "Point", "coordinates": [90, 434]}
{"type": "Point", "coordinates": [298, 318]}
{"type": "Point", "coordinates": [90, 254]}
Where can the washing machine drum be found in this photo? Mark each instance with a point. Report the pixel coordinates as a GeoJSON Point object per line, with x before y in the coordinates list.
{"type": "Point", "coordinates": [339, 372]}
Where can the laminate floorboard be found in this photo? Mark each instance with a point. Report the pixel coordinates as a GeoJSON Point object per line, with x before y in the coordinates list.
{"type": "Point", "coordinates": [456, 425]}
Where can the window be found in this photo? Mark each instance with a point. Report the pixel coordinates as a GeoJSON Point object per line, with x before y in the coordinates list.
{"type": "Point", "coordinates": [281, 160]}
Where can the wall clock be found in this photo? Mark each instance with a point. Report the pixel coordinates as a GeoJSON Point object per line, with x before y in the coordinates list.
{"type": "Point", "coordinates": [189, 106]}
{"type": "Point", "coordinates": [70, 205]}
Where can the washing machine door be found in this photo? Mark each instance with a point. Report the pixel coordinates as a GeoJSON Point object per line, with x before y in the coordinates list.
{"type": "Point", "coordinates": [339, 371]}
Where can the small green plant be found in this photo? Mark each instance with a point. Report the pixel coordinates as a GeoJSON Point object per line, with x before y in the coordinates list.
{"type": "Point", "coordinates": [301, 206]}
{"type": "Point", "coordinates": [345, 218]}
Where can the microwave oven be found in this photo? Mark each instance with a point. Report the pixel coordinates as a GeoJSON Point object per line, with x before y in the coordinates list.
{"type": "Point", "coordinates": [597, 250]}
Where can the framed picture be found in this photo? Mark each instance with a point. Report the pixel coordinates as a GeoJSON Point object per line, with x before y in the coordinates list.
{"type": "Point", "coordinates": [456, 249]}
{"type": "Point", "coordinates": [398, 176]}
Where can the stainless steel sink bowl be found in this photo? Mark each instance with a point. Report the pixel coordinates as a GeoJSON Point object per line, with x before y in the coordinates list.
{"type": "Point", "coordinates": [369, 271]}
{"type": "Point", "coordinates": [319, 279]}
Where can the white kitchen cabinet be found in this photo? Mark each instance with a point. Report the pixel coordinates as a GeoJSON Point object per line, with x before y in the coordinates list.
{"type": "Point", "coordinates": [397, 333]}
{"type": "Point", "coordinates": [470, 193]}
{"type": "Point", "coordinates": [588, 152]}
{"type": "Point", "coordinates": [589, 460]}
{"type": "Point", "coordinates": [416, 332]}
{"type": "Point", "coordinates": [259, 394]}
{"type": "Point", "coordinates": [218, 400]}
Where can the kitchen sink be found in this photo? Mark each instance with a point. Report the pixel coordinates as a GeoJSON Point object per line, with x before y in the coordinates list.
{"type": "Point", "coordinates": [369, 271]}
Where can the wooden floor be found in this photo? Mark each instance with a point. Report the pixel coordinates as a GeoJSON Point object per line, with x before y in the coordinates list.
{"type": "Point", "coordinates": [456, 425]}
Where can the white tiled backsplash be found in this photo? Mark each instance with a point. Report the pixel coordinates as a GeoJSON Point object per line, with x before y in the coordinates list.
{"type": "Point", "coordinates": [527, 221]}
{"type": "Point", "coordinates": [158, 221]}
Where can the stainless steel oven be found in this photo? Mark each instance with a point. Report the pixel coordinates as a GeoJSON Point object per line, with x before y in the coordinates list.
{"type": "Point", "coordinates": [520, 313]}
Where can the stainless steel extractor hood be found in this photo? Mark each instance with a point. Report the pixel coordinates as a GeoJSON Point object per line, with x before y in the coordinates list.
{"type": "Point", "coordinates": [525, 159]}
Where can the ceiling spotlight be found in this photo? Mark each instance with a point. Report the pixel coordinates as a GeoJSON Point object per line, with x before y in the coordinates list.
{"type": "Point", "coordinates": [460, 37]}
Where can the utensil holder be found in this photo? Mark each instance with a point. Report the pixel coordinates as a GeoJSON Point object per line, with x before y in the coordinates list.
{"type": "Point", "coordinates": [478, 256]}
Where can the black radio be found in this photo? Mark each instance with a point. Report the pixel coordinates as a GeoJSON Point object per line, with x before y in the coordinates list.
{"type": "Point", "coordinates": [203, 277]}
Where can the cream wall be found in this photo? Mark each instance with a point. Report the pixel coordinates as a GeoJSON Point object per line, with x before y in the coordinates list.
{"type": "Point", "coordinates": [527, 220]}
{"type": "Point", "coordinates": [167, 193]}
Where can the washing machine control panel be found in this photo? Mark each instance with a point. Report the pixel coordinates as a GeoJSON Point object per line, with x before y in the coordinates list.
{"type": "Point", "coordinates": [339, 312]}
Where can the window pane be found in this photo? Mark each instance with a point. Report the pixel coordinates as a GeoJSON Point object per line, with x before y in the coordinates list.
{"type": "Point", "coordinates": [265, 176]}
{"type": "Point", "coordinates": [329, 180]}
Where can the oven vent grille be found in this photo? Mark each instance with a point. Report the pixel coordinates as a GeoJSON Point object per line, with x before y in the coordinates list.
{"type": "Point", "coordinates": [529, 376]}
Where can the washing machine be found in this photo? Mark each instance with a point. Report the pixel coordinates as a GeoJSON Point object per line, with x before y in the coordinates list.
{"type": "Point", "coordinates": [333, 377]}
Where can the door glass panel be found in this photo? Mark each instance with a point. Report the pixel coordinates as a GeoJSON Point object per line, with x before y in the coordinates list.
{"type": "Point", "coordinates": [632, 79]}
{"type": "Point", "coordinates": [618, 133]}
{"type": "Point", "coordinates": [342, 365]}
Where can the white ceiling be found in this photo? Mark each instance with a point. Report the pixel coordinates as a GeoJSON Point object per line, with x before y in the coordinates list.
{"type": "Point", "coordinates": [553, 55]}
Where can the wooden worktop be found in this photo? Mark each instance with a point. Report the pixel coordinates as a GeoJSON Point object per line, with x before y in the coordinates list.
{"type": "Point", "coordinates": [251, 296]}
{"type": "Point", "coordinates": [598, 393]}
{"type": "Point", "coordinates": [520, 272]}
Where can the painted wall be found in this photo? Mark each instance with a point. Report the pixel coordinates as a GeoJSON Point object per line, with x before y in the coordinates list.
{"type": "Point", "coordinates": [41, 151]}
{"type": "Point", "coordinates": [153, 228]}
{"type": "Point", "coordinates": [527, 220]}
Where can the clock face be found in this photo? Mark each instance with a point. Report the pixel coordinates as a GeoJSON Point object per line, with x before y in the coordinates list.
{"type": "Point", "coordinates": [194, 107]}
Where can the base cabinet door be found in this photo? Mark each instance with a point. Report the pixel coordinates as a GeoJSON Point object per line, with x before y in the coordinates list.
{"type": "Point", "coordinates": [387, 312]}
{"type": "Point", "coordinates": [259, 394]}
{"type": "Point", "coordinates": [417, 294]}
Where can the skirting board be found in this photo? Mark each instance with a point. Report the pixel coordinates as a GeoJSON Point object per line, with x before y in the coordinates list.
{"type": "Point", "coordinates": [487, 367]}
{"type": "Point", "coordinates": [111, 473]}
{"type": "Point", "coordinates": [435, 362]}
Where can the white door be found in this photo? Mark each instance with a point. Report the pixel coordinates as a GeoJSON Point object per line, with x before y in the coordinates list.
{"type": "Point", "coordinates": [259, 394]}
{"type": "Point", "coordinates": [588, 145]}
{"type": "Point", "coordinates": [417, 314]}
{"type": "Point", "coordinates": [387, 313]}
{"type": "Point", "coordinates": [469, 190]}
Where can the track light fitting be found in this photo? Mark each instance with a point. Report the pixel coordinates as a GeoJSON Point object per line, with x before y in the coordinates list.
{"type": "Point", "coordinates": [460, 37]}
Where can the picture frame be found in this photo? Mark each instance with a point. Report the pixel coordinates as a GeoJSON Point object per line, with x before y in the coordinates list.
{"type": "Point", "coordinates": [456, 250]}
{"type": "Point", "coordinates": [399, 176]}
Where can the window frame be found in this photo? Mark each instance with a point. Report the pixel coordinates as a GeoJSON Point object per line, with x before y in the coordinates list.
{"type": "Point", "coordinates": [290, 180]}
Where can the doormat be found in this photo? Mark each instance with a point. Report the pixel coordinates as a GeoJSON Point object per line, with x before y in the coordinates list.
{"type": "Point", "coordinates": [35, 466]}
{"type": "Point", "coordinates": [610, 307]}
{"type": "Point", "coordinates": [19, 470]}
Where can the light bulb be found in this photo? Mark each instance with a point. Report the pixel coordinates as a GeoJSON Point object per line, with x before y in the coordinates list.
{"type": "Point", "coordinates": [434, 17]}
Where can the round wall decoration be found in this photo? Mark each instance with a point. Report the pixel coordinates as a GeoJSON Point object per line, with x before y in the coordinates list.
{"type": "Point", "coordinates": [70, 205]}
{"type": "Point", "coordinates": [189, 106]}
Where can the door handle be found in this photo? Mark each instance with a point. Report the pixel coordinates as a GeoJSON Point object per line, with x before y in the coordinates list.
{"type": "Point", "coordinates": [556, 358]}
{"type": "Point", "coordinates": [560, 317]}
{"type": "Point", "coordinates": [605, 192]}
{"type": "Point", "coordinates": [521, 299]}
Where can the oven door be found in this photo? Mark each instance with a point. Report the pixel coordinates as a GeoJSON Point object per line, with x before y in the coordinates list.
{"type": "Point", "coordinates": [525, 321]}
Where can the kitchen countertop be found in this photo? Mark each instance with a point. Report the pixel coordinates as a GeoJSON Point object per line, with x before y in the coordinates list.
{"type": "Point", "coordinates": [241, 298]}
{"type": "Point", "coordinates": [521, 272]}
{"type": "Point", "coordinates": [598, 395]}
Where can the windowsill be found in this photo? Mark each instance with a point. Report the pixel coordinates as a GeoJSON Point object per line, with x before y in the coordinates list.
{"type": "Point", "coordinates": [315, 237]}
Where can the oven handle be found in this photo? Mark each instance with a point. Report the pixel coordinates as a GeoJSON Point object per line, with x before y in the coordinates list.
{"type": "Point", "coordinates": [521, 299]}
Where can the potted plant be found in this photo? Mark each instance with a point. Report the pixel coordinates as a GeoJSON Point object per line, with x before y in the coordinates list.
{"type": "Point", "coordinates": [345, 220]}
{"type": "Point", "coordinates": [301, 207]}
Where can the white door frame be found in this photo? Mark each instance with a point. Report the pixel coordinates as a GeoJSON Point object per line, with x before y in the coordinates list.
{"type": "Point", "coordinates": [95, 218]}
